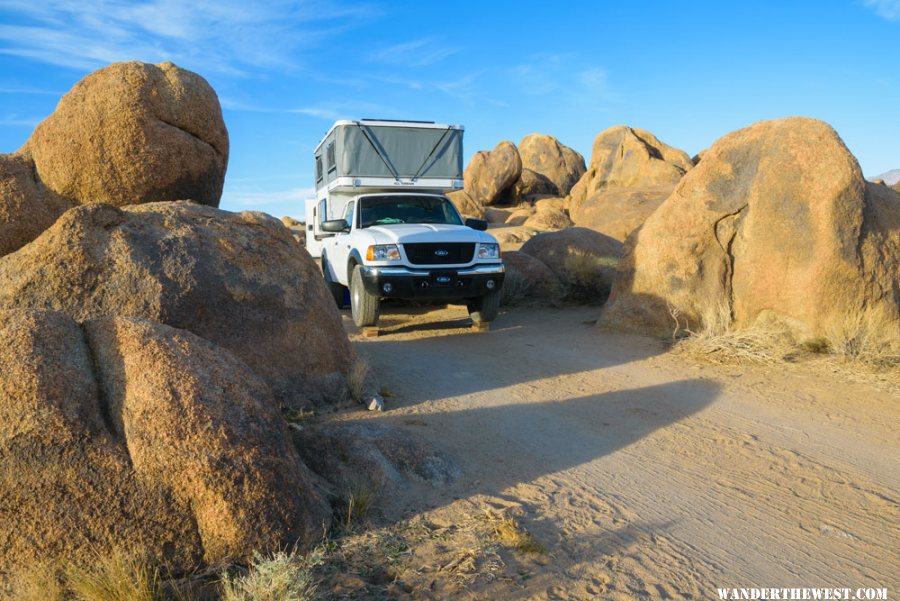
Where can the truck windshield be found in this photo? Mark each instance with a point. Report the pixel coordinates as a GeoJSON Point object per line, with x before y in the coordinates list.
{"type": "Point", "coordinates": [391, 209]}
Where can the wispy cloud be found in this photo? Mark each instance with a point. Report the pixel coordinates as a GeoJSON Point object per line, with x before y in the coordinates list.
{"type": "Point", "coordinates": [416, 53]}
{"type": "Point", "coordinates": [224, 36]}
{"type": "Point", "coordinates": [13, 120]}
{"type": "Point", "coordinates": [886, 9]}
{"type": "Point", "coordinates": [28, 91]}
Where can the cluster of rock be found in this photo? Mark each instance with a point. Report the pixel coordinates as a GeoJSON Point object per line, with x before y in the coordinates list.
{"type": "Point", "coordinates": [151, 340]}
{"type": "Point", "coordinates": [776, 221]}
{"type": "Point", "coordinates": [531, 178]}
{"type": "Point", "coordinates": [772, 221]}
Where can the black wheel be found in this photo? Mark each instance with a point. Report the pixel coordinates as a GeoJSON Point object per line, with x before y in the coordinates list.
{"type": "Point", "coordinates": [484, 308]}
{"type": "Point", "coordinates": [335, 288]}
{"type": "Point", "coordinates": [363, 306]}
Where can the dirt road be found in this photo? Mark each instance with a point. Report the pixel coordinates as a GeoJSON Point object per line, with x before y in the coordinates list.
{"type": "Point", "coordinates": [645, 475]}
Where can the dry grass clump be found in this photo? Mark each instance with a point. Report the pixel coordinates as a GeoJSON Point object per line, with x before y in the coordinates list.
{"type": "Point", "coordinates": [587, 277]}
{"type": "Point", "coordinates": [359, 379]}
{"type": "Point", "coordinates": [509, 533]}
{"type": "Point", "coordinates": [862, 341]}
{"type": "Point", "coordinates": [117, 576]}
{"type": "Point", "coordinates": [281, 576]}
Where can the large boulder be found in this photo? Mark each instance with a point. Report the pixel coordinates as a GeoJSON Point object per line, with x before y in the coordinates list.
{"type": "Point", "coordinates": [466, 205]}
{"type": "Point", "coordinates": [775, 221]}
{"type": "Point", "coordinates": [559, 164]}
{"type": "Point", "coordinates": [618, 211]}
{"type": "Point", "coordinates": [131, 435]}
{"type": "Point", "coordinates": [897, 187]}
{"type": "Point", "coordinates": [531, 186]}
{"type": "Point", "coordinates": [528, 280]}
{"type": "Point", "coordinates": [547, 218]}
{"type": "Point", "coordinates": [26, 207]}
{"type": "Point", "coordinates": [238, 280]}
{"type": "Point", "coordinates": [583, 259]}
{"type": "Point", "coordinates": [131, 133]}
{"type": "Point", "coordinates": [628, 157]}
{"type": "Point", "coordinates": [490, 174]}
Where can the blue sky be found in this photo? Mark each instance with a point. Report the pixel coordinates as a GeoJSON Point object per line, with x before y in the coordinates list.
{"type": "Point", "coordinates": [689, 72]}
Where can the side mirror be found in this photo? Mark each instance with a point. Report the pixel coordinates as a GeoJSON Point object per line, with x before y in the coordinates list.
{"type": "Point", "coordinates": [477, 224]}
{"type": "Point", "coordinates": [335, 225]}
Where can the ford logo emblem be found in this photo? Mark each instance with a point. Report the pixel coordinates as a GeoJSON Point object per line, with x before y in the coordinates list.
{"type": "Point", "coordinates": [441, 252]}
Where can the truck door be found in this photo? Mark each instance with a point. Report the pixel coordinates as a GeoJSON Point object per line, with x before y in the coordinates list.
{"type": "Point", "coordinates": [339, 246]}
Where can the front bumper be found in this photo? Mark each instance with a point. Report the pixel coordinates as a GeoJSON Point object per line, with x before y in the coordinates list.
{"type": "Point", "coordinates": [433, 284]}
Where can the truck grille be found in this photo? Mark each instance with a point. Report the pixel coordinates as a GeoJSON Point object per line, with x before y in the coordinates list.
{"type": "Point", "coordinates": [450, 253]}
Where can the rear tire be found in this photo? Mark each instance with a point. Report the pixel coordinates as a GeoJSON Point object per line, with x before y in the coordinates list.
{"type": "Point", "coordinates": [484, 309]}
{"type": "Point", "coordinates": [363, 306]}
{"type": "Point", "coordinates": [336, 289]}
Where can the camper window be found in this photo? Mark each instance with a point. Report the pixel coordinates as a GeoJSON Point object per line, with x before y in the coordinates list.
{"type": "Point", "coordinates": [319, 173]}
{"type": "Point", "coordinates": [329, 157]}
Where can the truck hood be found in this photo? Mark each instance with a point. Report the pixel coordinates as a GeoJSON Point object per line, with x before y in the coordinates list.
{"type": "Point", "coordinates": [410, 233]}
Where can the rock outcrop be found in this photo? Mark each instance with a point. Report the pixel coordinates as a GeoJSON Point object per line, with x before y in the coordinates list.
{"type": "Point", "coordinates": [555, 162]}
{"type": "Point", "coordinates": [583, 259]}
{"type": "Point", "coordinates": [129, 434]}
{"type": "Point", "coordinates": [131, 133]}
{"type": "Point", "coordinates": [628, 157]}
{"type": "Point", "coordinates": [26, 207]}
{"type": "Point", "coordinates": [466, 205]}
{"type": "Point", "coordinates": [630, 174]}
{"type": "Point", "coordinates": [238, 280]}
{"type": "Point", "coordinates": [529, 280]}
{"type": "Point", "coordinates": [619, 211]}
{"type": "Point", "coordinates": [775, 221]}
{"type": "Point", "coordinates": [490, 173]}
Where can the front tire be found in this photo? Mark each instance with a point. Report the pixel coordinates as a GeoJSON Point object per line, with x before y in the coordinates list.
{"type": "Point", "coordinates": [363, 306]}
{"type": "Point", "coordinates": [484, 308]}
{"type": "Point", "coordinates": [336, 289]}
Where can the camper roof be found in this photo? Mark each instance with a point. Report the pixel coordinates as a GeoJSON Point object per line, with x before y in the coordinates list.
{"type": "Point", "coordinates": [387, 123]}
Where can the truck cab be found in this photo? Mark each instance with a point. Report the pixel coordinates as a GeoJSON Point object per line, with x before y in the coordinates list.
{"type": "Point", "coordinates": [383, 229]}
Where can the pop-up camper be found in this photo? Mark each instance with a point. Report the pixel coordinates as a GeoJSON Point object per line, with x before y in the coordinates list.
{"type": "Point", "coordinates": [382, 227]}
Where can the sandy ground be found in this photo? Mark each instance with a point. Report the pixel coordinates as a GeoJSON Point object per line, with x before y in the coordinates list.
{"type": "Point", "coordinates": [641, 474]}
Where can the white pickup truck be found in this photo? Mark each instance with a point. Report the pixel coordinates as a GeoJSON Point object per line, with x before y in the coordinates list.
{"type": "Point", "coordinates": [383, 229]}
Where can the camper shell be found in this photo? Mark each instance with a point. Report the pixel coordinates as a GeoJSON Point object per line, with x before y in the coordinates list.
{"type": "Point", "coordinates": [382, 227]}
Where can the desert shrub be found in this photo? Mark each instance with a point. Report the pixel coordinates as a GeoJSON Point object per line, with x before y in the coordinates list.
{"type": "Point", "coordinates": [281, 576]}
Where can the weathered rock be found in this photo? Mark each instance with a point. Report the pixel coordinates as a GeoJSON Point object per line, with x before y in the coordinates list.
{"type": "Point", "coordinates": [528, 280]}
{"type": "Point", "coordinates": [627, 157]}
{"type": "Point", "coordinates": [585, 260]}
{"type": "Point", "coordinates": [466, 205]}
{"type": "Point", "coordinates": [296, 228]}
{"type": "Point", "coordinates": [238, 280]}
{"type": "Point", "coordinates": [776, 220]}
{"type": "Point", "coordinates": [897, 186]}
{"type": "Point", "coordinates": [490, 174]}
{"type": "Point", "coordinates": [617, 211]}
{"type": "Point", "coordinates": [128, 434]}
{"type": "Point", "coordinates": [132, 133]}
{"type": "Point", "coordinates": [26, 208]}
{"type": "Point", "coordinates": [497, 215]}
{"type": "Point", "coordinates": [531, 186]}
{"type": "Point", "coordinates": [559, 164]}
{"type": "Point", "coordinates": [369, 457]}
{"type": "Point", "coordinates": [512, 237]}
{"type": "Point", "coordinates": [519, 215]}
{"type": "Point", "coordinates": [551, 202]}
{"type": "Point", "coordinates": [546, 218]}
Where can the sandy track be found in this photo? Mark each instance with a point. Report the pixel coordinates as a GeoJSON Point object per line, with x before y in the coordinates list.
{"type": "Point", "coordinates": [645, 475]}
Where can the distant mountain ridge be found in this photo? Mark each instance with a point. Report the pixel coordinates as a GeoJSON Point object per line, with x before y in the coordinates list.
{"type": "Point", "coordinates": [890, 177]}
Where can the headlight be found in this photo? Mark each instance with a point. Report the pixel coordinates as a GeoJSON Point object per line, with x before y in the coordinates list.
{"type": "Point", "coordinates": [383, 252]}
{"type": "Point", "coordinates": [488, 251]}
